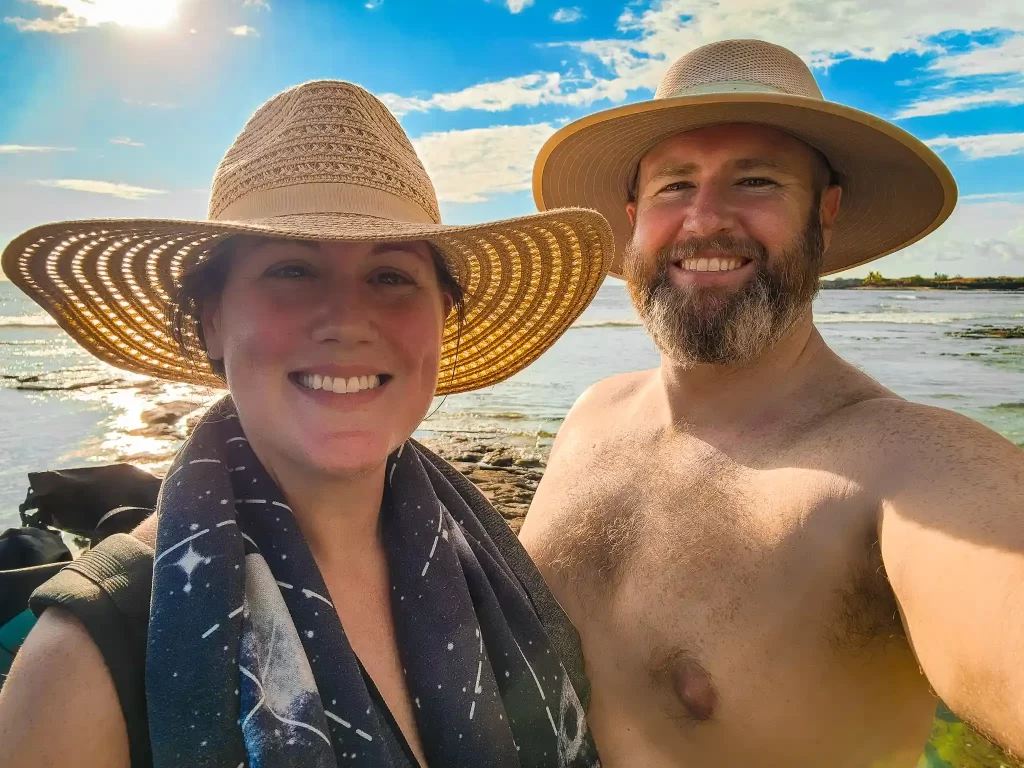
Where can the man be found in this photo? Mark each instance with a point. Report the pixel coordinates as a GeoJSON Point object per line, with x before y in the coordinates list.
{"type": "Point", "coordinates": [772, 560]}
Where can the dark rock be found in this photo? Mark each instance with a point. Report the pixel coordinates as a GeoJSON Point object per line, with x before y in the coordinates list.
{"type": "Point", "coordinates": [168, 413]}
{"type": "Point", "coordinates": [498, 461]}
{"type": "Point", "coordinates": [529, 462]}
{"type": "Point", "coordinates": [468, 457]}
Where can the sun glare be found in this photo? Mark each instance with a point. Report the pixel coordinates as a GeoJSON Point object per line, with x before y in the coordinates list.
{"type": "Point", "coordinates": [144, 14]}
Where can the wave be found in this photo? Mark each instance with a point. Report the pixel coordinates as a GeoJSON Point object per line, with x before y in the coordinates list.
{"type": "Point", "coordinates": [28, 321]}
{"type": "Point", "coordinates": [606, 324]}
{"type": "Point", "coordinates": [900, 318]}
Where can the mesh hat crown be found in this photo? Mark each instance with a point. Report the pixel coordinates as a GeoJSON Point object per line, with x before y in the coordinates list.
{"type": "Point", "coordinates": [895, 189]}
{"type": "Point", "coordinates": [323, 161]}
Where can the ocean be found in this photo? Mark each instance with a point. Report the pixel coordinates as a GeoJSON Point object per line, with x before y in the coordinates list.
{"type": "Point", "coordinates": [76, 411]}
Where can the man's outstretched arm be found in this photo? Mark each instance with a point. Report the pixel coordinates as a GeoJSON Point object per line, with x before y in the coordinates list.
{"type": "Point", "coordinates": [952, 539]}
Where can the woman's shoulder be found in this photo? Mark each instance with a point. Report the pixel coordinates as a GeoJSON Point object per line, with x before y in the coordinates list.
{"type": "Point", "coordinates": [59, 705]}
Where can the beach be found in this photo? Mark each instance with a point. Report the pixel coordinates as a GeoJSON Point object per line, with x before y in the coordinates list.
{"type": "Point", "coordinates": [61, 408]}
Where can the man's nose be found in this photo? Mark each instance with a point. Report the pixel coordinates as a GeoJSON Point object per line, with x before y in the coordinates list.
{"type": "Point", "coordinates": [344, 313]}
{"type": "Point", "coordinates": [709, 213]}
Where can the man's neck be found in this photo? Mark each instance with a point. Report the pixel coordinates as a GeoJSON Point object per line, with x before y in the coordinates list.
{"type": "Point", "coordinates": [744, 394]}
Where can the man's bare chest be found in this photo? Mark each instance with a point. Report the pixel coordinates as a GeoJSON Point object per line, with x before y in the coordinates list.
{"type": "Point", "coordinates": [672, 554]}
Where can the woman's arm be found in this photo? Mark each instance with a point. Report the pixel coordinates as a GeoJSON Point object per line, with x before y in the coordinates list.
{"type": "Point", "coordinates": [59, 706]}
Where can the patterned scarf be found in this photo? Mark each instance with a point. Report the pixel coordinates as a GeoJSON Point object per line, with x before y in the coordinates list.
{"type": "Point", "coordinates": [248, 664]}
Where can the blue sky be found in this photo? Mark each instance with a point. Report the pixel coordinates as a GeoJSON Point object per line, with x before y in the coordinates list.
{"type": "Point", "coordinates": [124, 107]}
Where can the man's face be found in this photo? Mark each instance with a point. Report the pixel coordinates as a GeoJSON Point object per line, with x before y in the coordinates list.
{"type": "Point", "coordinates": [730, 225]}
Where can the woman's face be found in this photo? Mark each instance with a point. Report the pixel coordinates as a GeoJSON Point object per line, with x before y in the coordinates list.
{"type": "Point", "coordinates": [331, 350]}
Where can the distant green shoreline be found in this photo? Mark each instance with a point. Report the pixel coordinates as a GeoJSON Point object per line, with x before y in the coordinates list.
{"type": "Point", "coordinates": [875, 281]}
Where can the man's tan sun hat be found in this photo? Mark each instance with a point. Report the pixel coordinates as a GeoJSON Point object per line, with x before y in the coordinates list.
{"type": "Point", "coordinates": [895, 189]}
{"type": "Point", "coordinates": [322, 161]}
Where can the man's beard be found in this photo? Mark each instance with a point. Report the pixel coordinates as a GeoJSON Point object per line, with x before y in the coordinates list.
{"type": "Point", "coordinates": [716, 326]}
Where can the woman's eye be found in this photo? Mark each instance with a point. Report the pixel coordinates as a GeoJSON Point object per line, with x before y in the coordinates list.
{"type": "Point", "coordinates": [289, 271]}
{"type": "Point", "coordinates": [391, 277]}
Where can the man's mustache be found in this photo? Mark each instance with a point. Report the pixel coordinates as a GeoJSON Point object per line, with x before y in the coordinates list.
{"type": "Point", "coordinates": [693, 246]}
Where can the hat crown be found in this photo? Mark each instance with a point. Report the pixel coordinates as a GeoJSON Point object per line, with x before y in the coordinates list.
{"type": "Point", "coordinates": [738, 65]}
{"type": "Point", "coordinates": [326, 146]}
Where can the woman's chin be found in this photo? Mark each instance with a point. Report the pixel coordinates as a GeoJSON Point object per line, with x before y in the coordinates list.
{"type": "Point", "coordinates": [347, 457]}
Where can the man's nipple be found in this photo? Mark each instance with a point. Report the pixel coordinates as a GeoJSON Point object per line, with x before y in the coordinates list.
{"type": "Point", "coordinates": [692, 685]}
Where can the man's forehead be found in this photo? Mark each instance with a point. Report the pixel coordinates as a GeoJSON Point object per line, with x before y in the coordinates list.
{"type": "Point", "coordinates": [736, 142]}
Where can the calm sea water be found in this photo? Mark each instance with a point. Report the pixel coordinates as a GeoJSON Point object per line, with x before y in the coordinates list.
{"type": "Point", "coordinates": [898, 337]}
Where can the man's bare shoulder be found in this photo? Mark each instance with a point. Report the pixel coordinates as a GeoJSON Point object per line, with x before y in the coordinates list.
{"type": "Point", "coordinates": [915, 441]}
{"type": "Point", "coordinates": [591, 408]}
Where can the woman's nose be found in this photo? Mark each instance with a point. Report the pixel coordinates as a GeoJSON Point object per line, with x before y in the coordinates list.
{"type": "Point", "coordinates": [344, 314]}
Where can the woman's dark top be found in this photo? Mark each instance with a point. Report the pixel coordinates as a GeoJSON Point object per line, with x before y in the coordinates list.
{"type": "Point", "coordinates": [108, 590]}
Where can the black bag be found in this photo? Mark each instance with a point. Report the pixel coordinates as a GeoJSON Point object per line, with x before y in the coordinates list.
{"type": "Point", "coordinates": [92, 503]}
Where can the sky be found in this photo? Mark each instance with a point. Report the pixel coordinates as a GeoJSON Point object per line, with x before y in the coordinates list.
{"type": "Point", "coordinates": [123, 108]}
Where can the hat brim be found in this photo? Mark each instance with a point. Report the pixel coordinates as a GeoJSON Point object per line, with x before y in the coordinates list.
{"type": "Point", "coordinates": [895, 189]}
{"type": "Point", "coordinates": [109, 283]}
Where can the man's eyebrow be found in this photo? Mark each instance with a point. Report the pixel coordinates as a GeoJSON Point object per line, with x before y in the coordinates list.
{"type": "Point", "coordinates": [759, 164]}
{"type": "Point", "coordinates": [673, 168]}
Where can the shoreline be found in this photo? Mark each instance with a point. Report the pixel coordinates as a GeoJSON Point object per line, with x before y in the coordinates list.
{"type": "Point", "coordinates": [505, 473]}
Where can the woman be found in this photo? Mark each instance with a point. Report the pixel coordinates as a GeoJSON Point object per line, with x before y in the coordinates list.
{"type": "Point", "coordinates": [324, 590]}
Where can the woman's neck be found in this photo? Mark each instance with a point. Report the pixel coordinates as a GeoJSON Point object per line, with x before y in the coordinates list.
{"type": "Point", "coordinates": [338, 516]}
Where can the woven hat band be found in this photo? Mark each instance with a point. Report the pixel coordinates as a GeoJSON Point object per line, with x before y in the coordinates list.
{"type": "Point", "coordinates": [728, 86]}
{"type": "Point", "coordinates": [323, 197]}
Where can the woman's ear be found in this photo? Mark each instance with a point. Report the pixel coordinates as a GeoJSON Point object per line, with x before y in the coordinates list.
{"type": "Point", "coordinates": [449, 302]}
{"type": "Point", "coordinates": [210, 321]}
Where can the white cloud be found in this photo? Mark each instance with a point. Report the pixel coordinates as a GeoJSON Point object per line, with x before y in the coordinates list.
{"type": "Point", "coordinates": [1006, 58]}
{"type": "Point", "coordinates": [472, 166]}
{"type": "Point", "coordinates": [124, 191]}
{"type": "Point", "coordinates": [20, 149]}
{"type": "Point", "coordinates": [962, 102]}
{"type": "Point", "coordinates": [567, 15]}
{"type": "Point", "coordinates": [652, 36]}
{"type": "Point", "coordinates": [978, 147]}
{"type": "Point", "coordinates": [74, 14]}
{"type": "Point", "coordinates": [124, 141]}
{"type": "Point", "coordinates": [983, 236]}
{"type": "Point", "coordinates": [244, 31]}
{"type": "Point", "coordinates": [62, 24]}
{"type": "Point", "coordinates": [257, 4]}
{"type": "Point", "coordinates": [524, 90]}
{"type": "Point", "coordinates": [372, 5]}
{"type": "Point", "coordinates": [517, 6]}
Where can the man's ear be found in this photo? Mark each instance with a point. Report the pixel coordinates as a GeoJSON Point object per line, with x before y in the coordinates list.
{"type": "Point", "coordinates": [210, 321]}
{"type": "Point", "coordinates": [631, 212]}
{"type": "Point", "coordinates": [828, 211]}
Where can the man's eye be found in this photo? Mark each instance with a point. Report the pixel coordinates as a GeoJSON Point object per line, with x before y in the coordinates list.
{"type": "Point", "coordinates": [757, 182]}
{"type": "Point", "coordinates": [289, 271]}
{"type": "Point", "coordinates": [676, 186]}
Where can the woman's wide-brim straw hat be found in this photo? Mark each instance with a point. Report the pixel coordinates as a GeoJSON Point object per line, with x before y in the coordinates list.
{"type": "Point", "coordinates": [322, 161]}
{"type": "Point", "coordinates": [895, 189]}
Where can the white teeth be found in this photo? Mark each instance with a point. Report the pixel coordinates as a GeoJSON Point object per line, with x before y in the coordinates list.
{"type": "Point", "coordinates": [714, 264]}
{"type": "Point", "coordinates": [339, 385]}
